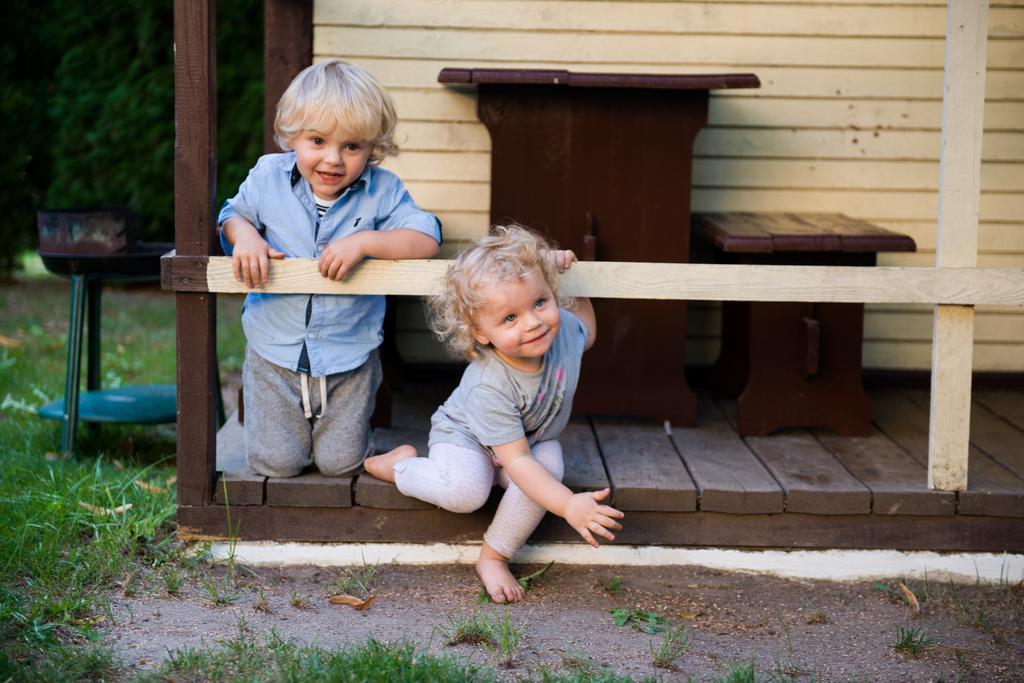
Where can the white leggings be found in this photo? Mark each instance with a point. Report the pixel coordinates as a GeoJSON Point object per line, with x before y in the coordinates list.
{"type": "Point", "coordinates": [460, 480]}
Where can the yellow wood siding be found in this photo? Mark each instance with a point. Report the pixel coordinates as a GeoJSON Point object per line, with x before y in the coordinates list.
{"type": "Point", "coordinates": [847, 119]}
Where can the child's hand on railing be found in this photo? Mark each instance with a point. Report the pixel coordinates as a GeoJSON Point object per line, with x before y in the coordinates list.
{"type": "Point", "coordinates": [250, 257]}
{"type": "Point", "coordinates": [587, 517]}
{"type": "Point", "coordinates": [340, 256]}
{"type": "Point", "coordinates": [562, 259]}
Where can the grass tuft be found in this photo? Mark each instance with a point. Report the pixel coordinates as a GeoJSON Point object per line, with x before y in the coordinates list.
{"type": "Point", "coordinates": [674, 644]}
{"type": "Point", "coordinates": [478, 628]}
{"type": "Point", "coordinates": [355, 581]}
{"type": "Point", "coordinates": [911, 641]}
{"type": "Point", "coordinates": [298, 601]}
{"type": "Point", "coordinates": [172, 580]}
{"type": "Point", "coordinates": [469, 629]}
{"type": "Point", "coordinates": [219, 592]}
{"type": "Point", "coordinates": [740, 672]}
{"type": "Point", "coordinates": [507, 636]}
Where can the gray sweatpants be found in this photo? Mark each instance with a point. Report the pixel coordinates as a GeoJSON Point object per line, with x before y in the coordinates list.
{"type": "Point", "coordinates": [280, 441]}
{"type": "Point", "coordinates": [460, 480]}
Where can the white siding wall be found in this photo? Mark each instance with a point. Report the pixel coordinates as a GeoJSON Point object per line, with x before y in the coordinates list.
{"type": "Point", "coordinates": [847, 119]}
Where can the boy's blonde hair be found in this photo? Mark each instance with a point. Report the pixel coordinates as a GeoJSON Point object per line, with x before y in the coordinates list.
{"type": "Point", "coordinates": [335, 95]}
{"type": "Point", "coordinates": [508, 253]}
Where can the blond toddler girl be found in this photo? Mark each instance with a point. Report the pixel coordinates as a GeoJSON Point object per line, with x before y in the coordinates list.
{"type": "Point", "coordinates": [500, 310]}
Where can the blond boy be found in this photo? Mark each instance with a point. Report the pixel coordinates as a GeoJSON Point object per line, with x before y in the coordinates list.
{"type": "Point", "coordinates": [311, 369]}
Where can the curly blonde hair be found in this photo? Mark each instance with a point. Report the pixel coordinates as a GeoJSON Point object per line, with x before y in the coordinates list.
{"type": "Point", "coordinates": [335, 95]}
{"type": "Point", "coordinates": [508, 253]}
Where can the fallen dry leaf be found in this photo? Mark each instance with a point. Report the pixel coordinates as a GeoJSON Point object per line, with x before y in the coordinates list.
{"type": "Point", "coordinates": [351, 601]}
{"type": "Point", "coordinates": [915, 606]}
{"type": "Point", "coordinates": [51, 456]}
{"type": "Point", "coordinates": [118, 465]}
{"type": "Point", "coordinates": [9, 342]}
{"type": "Point", "coordinates": [146, 486]}
{"type": "Point", "coordinates": [172, 479]}
{"type": "Point", "coordinates": [104, 511]}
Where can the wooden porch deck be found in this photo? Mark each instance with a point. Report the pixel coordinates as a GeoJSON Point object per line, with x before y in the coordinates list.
{"type": "Point", "coordinates": [704, 486]}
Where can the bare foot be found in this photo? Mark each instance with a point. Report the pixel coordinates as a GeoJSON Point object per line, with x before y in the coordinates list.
{"type": "Point", "coordinates": [383, 466]}
{"type": "Point", "coordinates": [492, 567]}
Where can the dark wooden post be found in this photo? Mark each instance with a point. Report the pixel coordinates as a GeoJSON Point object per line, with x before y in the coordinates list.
{"type": "Point", "coordinates": [195, 177]}
{"type": "Point", "coordinates": [287, 50]}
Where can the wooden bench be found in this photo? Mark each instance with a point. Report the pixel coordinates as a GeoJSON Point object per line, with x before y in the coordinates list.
{"type": "Point", "coordinates": [794, 364]}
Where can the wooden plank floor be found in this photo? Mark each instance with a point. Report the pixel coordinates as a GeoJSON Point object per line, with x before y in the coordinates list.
{"type": "Point", "coordinates": [696, 486]}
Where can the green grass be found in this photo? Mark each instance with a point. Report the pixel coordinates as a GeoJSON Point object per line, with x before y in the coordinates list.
{"type": "Point", "coordinates": [474, 628]}
{"type": "Point", "coordinates": [740, 672]}
{"type": "Point", "coordinates": [673, 645]}
{"type": "Point", "coordinates": [584, 672]}
{"type": "Point", "coordinates": [507, 636]}
{"type": "Point", "coordinates": [911, 641]}
{"type": "Point", "coordinates": [56, 556]}
{"type": "Point", "coordinates": [274, 659]}
{"type": "Point", "coordinates": [480, 628]}
{"type": "Point", "coordinates": [354, 581]}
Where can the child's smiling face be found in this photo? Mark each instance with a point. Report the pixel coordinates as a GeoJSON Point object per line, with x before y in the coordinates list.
{"type": "Point", "coordinates": [519, 320]}
{"type": "Point", "coordinates": [330, 161]}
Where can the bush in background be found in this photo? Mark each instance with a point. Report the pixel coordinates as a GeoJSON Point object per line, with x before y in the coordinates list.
{"type": "Point", "coordinates": [26, 68]}
{"type": "Point", "coordinates": [88, 109]}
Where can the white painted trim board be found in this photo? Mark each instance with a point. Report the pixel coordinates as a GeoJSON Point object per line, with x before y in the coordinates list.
{"type": "Point", "coordinates": [833, 565]}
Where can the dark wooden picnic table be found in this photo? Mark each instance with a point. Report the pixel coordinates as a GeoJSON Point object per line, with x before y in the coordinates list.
{"type": "Point", "coordinates": [602, 163]}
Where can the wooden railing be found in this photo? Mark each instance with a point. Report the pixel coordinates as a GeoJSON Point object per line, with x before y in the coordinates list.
{"type": "Point", "coordinates": [956, 287]}
{"type": "Point", "coordinates": [621, 280]}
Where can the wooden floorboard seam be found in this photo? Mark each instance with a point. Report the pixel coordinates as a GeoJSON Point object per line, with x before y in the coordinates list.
{"type": "Point", "coordinates": [753, 452]}
{"type": "Point", "coordinates": [1003, 447]}
{"type": "Point", "coordinates": [689, 472]}
{"type": "Point", "coordinates": [600, 452]}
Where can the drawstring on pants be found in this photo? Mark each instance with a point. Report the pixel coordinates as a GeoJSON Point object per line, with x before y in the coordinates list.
{"type": "Point", "coordinates": [305, 396]}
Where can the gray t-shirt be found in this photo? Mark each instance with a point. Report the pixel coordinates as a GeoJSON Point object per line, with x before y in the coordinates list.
{"type": "Point", "coordinates": [496, 404]}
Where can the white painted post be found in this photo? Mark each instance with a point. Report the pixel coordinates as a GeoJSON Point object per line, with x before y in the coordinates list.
{"type": "Point", "coordinates": [963, 100]}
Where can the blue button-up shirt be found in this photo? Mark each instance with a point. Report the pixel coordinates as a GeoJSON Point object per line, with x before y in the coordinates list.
{"type": "Point", "coordinates": [342, 330]}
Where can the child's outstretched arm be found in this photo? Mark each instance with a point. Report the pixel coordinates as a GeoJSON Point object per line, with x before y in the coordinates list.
{"type": "Point", "coordinates": [250, 254]}
{"type": "Point", "coordinates": [581, 510]}
{"type": "Point", "coordinates": [583, 308]}
{"type": "Point", "coordinates": [398, 243]}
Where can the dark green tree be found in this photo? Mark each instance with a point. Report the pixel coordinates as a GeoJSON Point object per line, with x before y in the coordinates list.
{"type": "Point", "coordinates": [26, 69]}
{"type": "Point", "coordinates": [88, 109]}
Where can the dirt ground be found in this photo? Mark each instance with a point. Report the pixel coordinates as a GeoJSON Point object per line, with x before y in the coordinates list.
{"type": "Point", "coordinates": [791, 630]}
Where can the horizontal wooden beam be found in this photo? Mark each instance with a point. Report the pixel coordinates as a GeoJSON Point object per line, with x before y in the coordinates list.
{"type": "Point", "coordinates": [789, 530]}
{"type": "Point", "coordinates": [621, 280]}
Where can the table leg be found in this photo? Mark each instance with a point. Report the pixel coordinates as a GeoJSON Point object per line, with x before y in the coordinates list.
{"type": "Point", "coordinates": [779, 391]}
{"type": "Point", "coordinates": [74, 363]}
{"type": "Point", "coordinates": [729, 373]}
{"type": "Point", "coordinates": [94, 290]}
